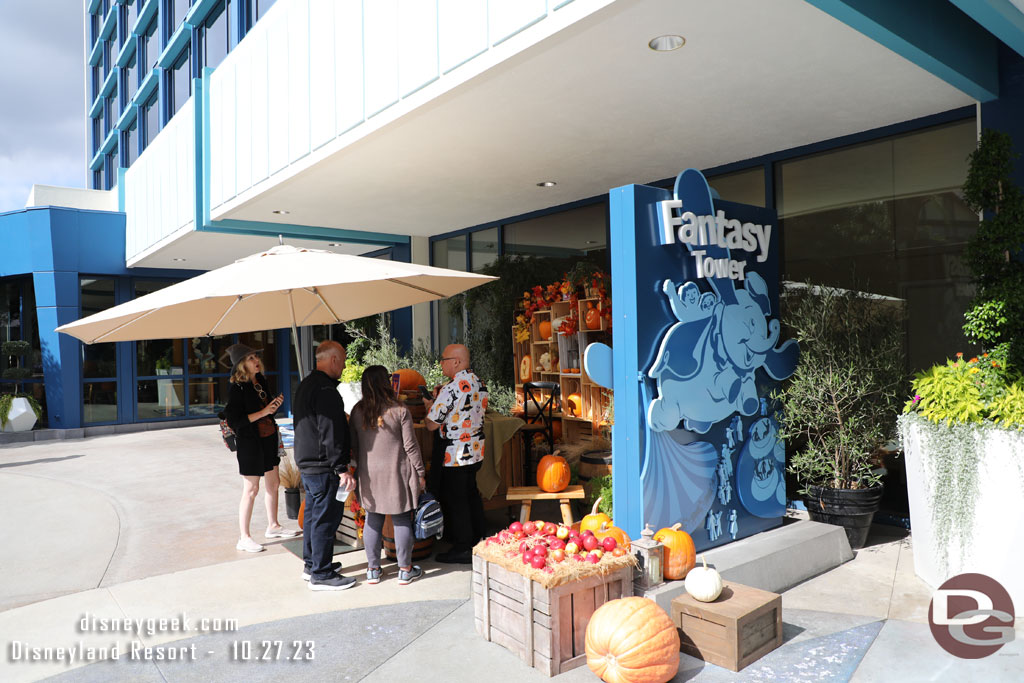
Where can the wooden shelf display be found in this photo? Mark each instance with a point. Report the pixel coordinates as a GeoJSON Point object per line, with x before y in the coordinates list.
{"type": "Point", "coordinates": [551, 357]}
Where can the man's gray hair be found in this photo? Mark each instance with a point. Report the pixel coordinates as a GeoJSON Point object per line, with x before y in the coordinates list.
{"type": "Point", "coordinates": [327, 348]}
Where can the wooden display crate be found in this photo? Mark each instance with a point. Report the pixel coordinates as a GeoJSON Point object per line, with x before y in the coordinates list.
{"type": "Point", "coordinates": [738, 628]}
{"type": "Point", "coordinates": [545, 627]}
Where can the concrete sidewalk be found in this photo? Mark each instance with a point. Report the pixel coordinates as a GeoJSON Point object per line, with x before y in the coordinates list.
{"type": "Point", "coordinates": [142, 527]}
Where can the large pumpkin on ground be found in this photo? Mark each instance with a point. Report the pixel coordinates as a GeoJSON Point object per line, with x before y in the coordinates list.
{"type": "Point", "coordinates": [409, 380]}
{"type": "Point", "coordinates": [553, 473]}
{"type": "Point", "coordinates": [680, 555]}
{"type": "Point", "coordinates": [632, 640]}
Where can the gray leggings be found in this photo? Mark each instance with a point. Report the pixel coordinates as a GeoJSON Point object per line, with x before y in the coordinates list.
{"type": "Point", "coordinates": [403, 538]}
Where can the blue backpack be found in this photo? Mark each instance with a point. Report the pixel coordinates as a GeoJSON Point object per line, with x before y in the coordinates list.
{"type": "Point", "coordinates": [428, 520]}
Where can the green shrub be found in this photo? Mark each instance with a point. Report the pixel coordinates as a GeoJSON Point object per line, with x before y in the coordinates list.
{"type": "Point", "coordinates": [601, 487]}
{"type": "Point", "coordinates": [963, 391]}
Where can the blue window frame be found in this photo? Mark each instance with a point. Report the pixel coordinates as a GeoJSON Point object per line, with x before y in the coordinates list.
{"type": "Point", "coordinates": [176, 11]}
{"type": "Point", "coordinates": [179, 82]}
{"type": "Point", "coordinates": [97, 134]}
{"type": "Point", "coordinates": [213, 37]}
{"type": "Point", "coordinates": [131, 81]}
{"type": "Point", "coordinates": [150, 46]}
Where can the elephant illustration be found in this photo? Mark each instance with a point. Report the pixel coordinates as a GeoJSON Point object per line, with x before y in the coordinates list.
{"type": "Point", "coordinates": [705, 366]}
{"type": "Point", "coordinates": [760, 474]}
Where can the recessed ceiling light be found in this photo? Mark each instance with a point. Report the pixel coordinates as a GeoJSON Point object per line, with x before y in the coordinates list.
{"type": "Point", "coordinates": [547, 183]}
{"type": "Point", "coordinates": [591, 241]}
{"type": "Point", "coordinates": [281, 212]}
{"type": "Point", "coordinates": [333, 244]}
{"type": "Point", "coordinates": [179, 259]}
{"type": "Point", "coordinates": [667, 43]}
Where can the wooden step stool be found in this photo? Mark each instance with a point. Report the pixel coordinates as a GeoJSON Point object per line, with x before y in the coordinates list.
{"type": "Point", "coordinates": [528, 494]}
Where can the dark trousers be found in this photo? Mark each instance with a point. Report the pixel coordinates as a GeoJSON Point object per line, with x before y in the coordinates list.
{"type": "Point", "coordinates": [463, 508]}
{"type": "Point", "coordinates": [320, 522]}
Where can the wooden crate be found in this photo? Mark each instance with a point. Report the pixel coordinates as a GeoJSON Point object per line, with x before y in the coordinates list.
{"type": "Point", "coordinates": [545, 627]}
{"type": "Point", "coordinates": [738, 628]}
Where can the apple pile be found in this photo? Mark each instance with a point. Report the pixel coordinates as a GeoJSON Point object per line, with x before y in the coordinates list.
{"type": "Point", "coordinates": [545, 544]}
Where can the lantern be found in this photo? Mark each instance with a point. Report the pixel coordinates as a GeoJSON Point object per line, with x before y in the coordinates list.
{"type": "Point", "coordinates": [650, 561]}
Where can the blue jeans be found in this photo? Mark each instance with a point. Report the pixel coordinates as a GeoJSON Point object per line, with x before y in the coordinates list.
{"type": "Point", "coordinates": [320, 522]}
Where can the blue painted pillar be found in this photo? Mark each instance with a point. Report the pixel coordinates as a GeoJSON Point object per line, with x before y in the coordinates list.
{"type": "Point", "coordinates": [401, 320]}
{"type": "Point", "coordinates": [1007, 113]}
{"type": "Point", "coordinates": [57, 304]}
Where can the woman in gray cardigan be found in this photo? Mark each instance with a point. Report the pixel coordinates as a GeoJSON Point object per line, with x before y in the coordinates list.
{"type": "Point", "coordinates": [389, 471]}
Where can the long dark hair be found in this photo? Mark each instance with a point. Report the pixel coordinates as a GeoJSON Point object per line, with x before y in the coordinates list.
{"type": "Point", "coordinates": [378, 395]}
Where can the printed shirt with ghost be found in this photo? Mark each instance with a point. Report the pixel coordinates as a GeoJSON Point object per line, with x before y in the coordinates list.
{"type": "Point", "coordinates": [459, 409]}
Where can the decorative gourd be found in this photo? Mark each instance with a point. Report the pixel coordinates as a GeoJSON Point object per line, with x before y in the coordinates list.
{"type": "Point", "coordinates": [592, 318]}
{"type": "Point", "coordinates": [680, 555]}
{"type": "Point", "coordinates": [704, 583]}
{"type": "Point", "coordinates": [620, 536]}
{"type": "Point", "coordinates": [544, 327]}
{"type": "Point", "coordinates": [553, 473]}
{"type": "Point", "coordinates": [595, 519]}
{"type": "Point", "coordinates": [632, 640]}
{"type": "Point", "coordinates": [409, 380]}
{"type": "Point", "coordinates": [525, 369]}
{"type": "Point", "coordinates": [575, 403]}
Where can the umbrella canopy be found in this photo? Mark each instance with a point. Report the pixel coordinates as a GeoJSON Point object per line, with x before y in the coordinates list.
{"type": "Point", "coordinates": [284, 286]}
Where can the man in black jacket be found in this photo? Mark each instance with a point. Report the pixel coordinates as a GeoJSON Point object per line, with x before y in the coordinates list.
{"type": "Point", "coordinates": [322, 456]}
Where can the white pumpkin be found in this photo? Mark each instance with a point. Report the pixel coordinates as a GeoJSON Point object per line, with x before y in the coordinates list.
{"type": "Point", "coordinates": [704, 583]}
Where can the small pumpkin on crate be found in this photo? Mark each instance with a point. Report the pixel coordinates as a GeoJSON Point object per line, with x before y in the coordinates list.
{"type": "Point", "coordinates": [632, 640]}
{"type": "Point", "coordinates": [680, 554]}
{"type": "Point", "coordinates": [704, 584]}
{"type": "Point", "coordinates": [553, 473]}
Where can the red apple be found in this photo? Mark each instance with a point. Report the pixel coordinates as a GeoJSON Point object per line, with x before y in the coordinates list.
{"type": "Point", "coordinates": [573, 533]}
{"type": "Point", "coordinates": [590, 542]}
{"type": "Point", "coordinates": [593, 559]}
{"type": "Point", "coordinates": [524, 546]}
{"type": "Point", "coordinates": [608, 543]}
{"type": "Point", "coordinates": [550, 528]}
{"type": "Point", "coordinates": [572, 547]}
{"type": "Point", "coordinates": [557, 544]}
{"type": "Point", "coordinates": [515, 526]}
{"type": "Point", "coordinates": [578, 557]}
{"type": "Point", "coordinates": [597, 551]}
{"type": "Point", "coordinates": [529, 528]}
{"type": "Point", "coordinates": [540, 551]}
{"type": "Point", "coordinates": [562, 532]}
{"type": "Point", "coordinates": [588, 532]}
{"type": "Point", "coordinates": [558, 555]}
{"type": "Point", "coordinates": [527, 557]}
{"type": "Point", "coordinates": [538, 562]}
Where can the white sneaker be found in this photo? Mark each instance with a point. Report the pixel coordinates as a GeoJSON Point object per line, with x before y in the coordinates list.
{"type": "Point", "coordinates": [248, 545]}
{"type": "Point", "coordinates": [281, 532]}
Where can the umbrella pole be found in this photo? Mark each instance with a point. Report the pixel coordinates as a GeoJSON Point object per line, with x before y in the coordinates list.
{"type": "Point", "coordinates": [298, 351]}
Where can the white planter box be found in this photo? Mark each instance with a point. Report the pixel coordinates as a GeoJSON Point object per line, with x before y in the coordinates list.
{"type": "Point", "coordinates": [21, 417]}
{"type": "Point", "coordinates": [993, 542]}
{"type": "Point", "coordinates": [351, 394]}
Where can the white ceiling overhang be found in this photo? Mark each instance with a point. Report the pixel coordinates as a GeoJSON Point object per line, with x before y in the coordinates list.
{"type": "Point", "coordinates": [592, 107]}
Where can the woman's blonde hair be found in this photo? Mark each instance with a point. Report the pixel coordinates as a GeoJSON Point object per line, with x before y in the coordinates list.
{"type": "Point", "coordinates": [239, 374]}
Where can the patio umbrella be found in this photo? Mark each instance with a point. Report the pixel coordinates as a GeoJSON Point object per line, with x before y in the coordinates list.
{"type": "Point", "coordinates": [282, 287]}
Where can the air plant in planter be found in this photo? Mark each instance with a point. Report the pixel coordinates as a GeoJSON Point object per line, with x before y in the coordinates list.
{"type": "Point", "coordinates": [18, 412]}
{"type": "Point", "coordinates": [291, 481]}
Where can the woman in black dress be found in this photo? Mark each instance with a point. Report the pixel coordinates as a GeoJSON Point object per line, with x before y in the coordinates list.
{"type": "Point", "coordinates": [250, 413]}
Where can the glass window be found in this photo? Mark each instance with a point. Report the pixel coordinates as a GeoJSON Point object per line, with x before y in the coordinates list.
{"type": "Point", "coordinates": [484, 245]}
{"type": "Point", "coordinates": [108, 56]}
{"type": "Point", "coordinates": [108, 115]}
{"type": "Point", "coordinates": [215, 36]}
{"type": "Point", "coordinates": [150, 46]}
{"type": "Point", "coordinates": [567, 233]}
{"type": "Point", "coordinates": [887, 217]}
{"type": "Point", "coordinates": [233, 24]}
{"type": "Point", "coordinates": [97, 81]}
{"type": "Point", "coordinates": [94, 29]}
{"type": "Point", "coordinates": [97, 135]}
{"type": "Point", "coordinates": [131, 81]}
{"type": "Point", "coordinates": [177, 9]}
{"type": "Point", "coordinates": [131, 144]}
{"type": "Point", "coordinates": [99, 402]}
{"type": "Point", "coordinates": [743, 187]}
{"type": "Point", "coordinates": [262, 6]}
{"type": "Point", "coordinates": [160, 398]}
{"type": "Point", "coordinates": [181, 81]}
{"type": "Point", "coordinates": [208, 395]}
{"type": "Point", "coordinates": [266, 340]}
{"type": "Point", "coordinates": [112, 165]}
{"type": "Point", "coordinates": [97, 180]}
{"type": "Point", "coordinates": [98, 360]}
{"type": "Point", "coordinates": [205, 352]}
{"type": "Point", "coordinates": [132, 14]}
{"type": "Point", "coordinates": [18, 321]}
{"type": "Point", "coordinates": [152, 120]}
{"type": "Point", "coordinates": [449, 253]}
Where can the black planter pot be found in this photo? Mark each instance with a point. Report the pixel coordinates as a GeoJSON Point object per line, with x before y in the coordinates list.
{"type": "Point", "coordinates": [852, 509]}
{"type": "Point", "coordinates": [291, 503]}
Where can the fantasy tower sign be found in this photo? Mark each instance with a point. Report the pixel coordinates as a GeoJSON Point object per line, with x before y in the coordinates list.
{"type": "Point", "coordinates": [696, 355]}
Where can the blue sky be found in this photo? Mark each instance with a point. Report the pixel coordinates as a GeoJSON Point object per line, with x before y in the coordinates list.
{"type": "Point", "coordinates": [42, 97]}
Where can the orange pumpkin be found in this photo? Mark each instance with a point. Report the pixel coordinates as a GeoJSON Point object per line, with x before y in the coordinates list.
{"type": "Point", "coordinates": [575, 403]}
{"type": "Point", "coordinates": [409, 380]}
{"type": "Point", "coordinates": [592, 318]}
{"type": "Point", "coordinates": [595, 519]}
{"type": "Point", "coordinates": [544, 327]}
{"type": "Point", "coordinates": [680, 555]}
{"type": "Point", "coordinates": [553, 473]}
{"type": "Point", "coordinates": [632, 640]}
{"type": "Point", "coordinates": [525, 369]}
{"type": "Point", "coordinates": [615, 532]}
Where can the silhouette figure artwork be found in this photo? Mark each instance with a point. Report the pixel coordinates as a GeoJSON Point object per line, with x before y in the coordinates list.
{"type": "Point", "coordinates": [734, 526]}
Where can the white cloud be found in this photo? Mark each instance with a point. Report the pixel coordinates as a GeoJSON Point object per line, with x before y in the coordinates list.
{"type": "Point", "coordinates": [42, 97]}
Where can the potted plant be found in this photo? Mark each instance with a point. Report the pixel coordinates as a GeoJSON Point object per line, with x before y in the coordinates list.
{"type": "Point", "coordinates": [18, 412]}
{"type": "Point", "coordinates": [291, 482]}
{"type": "Point", "coordinates": [962, 429]}
{"type": "Point", "coordinates": [842, 401]}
